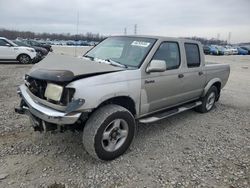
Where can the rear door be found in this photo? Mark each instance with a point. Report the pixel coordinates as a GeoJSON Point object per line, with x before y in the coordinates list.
{"type": "Point", "coordinates": [194, 77]}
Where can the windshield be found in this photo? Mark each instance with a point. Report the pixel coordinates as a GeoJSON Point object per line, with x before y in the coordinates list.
{"type": "Point", "coordinates": [12, 43]}
{"type": "Point", "coordinates": [19, 43]}
{"type": "Point", "coordinates": [34, 42]}
{"type": "Point", "coordinates": [128, 51]}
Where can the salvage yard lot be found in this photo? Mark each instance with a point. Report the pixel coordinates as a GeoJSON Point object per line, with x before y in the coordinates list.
{"type": "Point", "coordinates": [186, 150]}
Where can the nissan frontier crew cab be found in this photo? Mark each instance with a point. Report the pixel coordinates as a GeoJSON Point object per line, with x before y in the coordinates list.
{"type": "Point", "coordinates": [118, 83]}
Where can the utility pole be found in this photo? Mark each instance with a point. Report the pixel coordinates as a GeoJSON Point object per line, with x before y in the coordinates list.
{"type": "Point", "coordinates": [125, 31]}
{"type": "Point", "coordinates": [135, 29]}
{"type": "Point", "coordinates": [77, 25]}
{"type": "Point", "coordinates": [229, 38]}
{"type": "Point", "coordinates": [218, 36]}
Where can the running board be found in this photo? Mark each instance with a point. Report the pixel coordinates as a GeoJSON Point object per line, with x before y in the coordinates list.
{"type": "Point", "coordinates": [167, 113]}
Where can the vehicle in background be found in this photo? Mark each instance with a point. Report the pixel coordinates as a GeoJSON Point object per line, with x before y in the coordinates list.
{"type": "Point", "coordinates": [9, 51]}
{"type": "Point", "coordinates": [241, 51]}
{"type": "Point", "coordinates": [41, 52]}
{"type": "Point", "coordinates": [227, 51]}
{"type": "Point", "coordinates": [214, 50]}
{"type": "Point", "coordinates": [32, 43]}
{"type": "Point", "coordinates": [221, 50]}
{"type": "Point", "coordinates": [121, 81]}
{"type": "Point", "coordinates": [234, 51]}
{"type": "Point", "coordinates": [206, 49]}
{"type": "Point", "coordinates": [231, 50]}
{"type": "Point", "coordinates": [246, 48]}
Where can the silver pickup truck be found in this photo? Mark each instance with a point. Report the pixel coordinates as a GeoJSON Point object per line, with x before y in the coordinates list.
{"type": "Point", "coordinates": [118, 83]}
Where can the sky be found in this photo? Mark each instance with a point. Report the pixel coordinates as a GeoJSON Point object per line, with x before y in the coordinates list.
{"type": "Point", "coordinates": [173, 18]}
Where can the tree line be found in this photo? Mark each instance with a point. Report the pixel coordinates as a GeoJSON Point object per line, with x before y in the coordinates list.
{"type": "Point", "coordinates": [13, 34]}
{"type": "Point", "coordinates": [208, 41]}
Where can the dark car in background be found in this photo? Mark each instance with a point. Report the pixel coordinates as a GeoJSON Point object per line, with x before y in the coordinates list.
{"type": "Point", "coordinates": [41, 52]}
{"type": "Point", "coordinates": [38, 44]}
{"type": "Point", "coordinates": [206, 49]}
{"type": "Point", "coordinates": [241, 51]}
{"type": "Point", "coordinates": [247, 48]}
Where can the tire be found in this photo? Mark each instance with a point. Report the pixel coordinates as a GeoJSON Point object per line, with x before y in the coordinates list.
{"type": "Point", "coordinates": [39, 54]}
{"type": "Point", "coordinates": [208, 100]}
{"type": "Point", "coordinates": [109, 132]}
{"type": "Point", "coordinates": [24, 59]}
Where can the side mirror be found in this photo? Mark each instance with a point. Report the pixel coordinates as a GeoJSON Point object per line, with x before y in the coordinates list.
{"type": "Point", "coordinates": [156, 66]}
{"type": "Point", "coordinates": [7, 44]}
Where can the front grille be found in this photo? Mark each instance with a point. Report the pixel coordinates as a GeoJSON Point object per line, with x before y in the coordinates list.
{"type": "Point", "coordinates": [38, 87]}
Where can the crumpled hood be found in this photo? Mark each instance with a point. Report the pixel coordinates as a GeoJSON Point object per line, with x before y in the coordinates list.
{"type": "Point", "coordinates": [62, 68]}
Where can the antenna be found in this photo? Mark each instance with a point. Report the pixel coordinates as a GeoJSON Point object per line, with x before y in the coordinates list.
{"type": "Point", "coordinates": [77, 25]}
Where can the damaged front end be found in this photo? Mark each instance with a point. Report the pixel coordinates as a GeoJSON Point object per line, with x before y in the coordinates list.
{"type": "Point", "coordinates": [47, 97]}
{"type": "Point", "coordinates": [47, 112]}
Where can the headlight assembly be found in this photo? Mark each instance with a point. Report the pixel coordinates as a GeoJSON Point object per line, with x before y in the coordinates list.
{"type": "Point", "coordinates": [31, 50]}
{"type": "Point", "coordinates": [53, 92]}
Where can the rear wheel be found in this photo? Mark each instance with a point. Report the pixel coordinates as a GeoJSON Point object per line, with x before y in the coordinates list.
{"type": "Point", "coordinates": [208, 101]}
{"type": "Point", "coordinates": [109, 132]}
{"type": "Point", "coordinates": [24, 59]}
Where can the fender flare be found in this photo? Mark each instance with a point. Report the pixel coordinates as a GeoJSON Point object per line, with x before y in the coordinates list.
{"type": "Point", "coordinates": [209, 84]}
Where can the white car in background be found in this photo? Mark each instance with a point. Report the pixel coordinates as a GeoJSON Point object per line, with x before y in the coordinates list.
{"type": "Point", "coordinates": [231, 50]}
{"type": "Point", "coordinates": [9, 51]}
{"type": "Point", "coordinates": [234, 51]}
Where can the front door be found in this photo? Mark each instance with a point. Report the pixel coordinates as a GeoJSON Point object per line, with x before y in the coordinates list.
{"type": "Point", "coordinates": [163, 89]}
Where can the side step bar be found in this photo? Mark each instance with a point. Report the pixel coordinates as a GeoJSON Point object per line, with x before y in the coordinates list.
{"type": "Point", "coordinates": [167, 113]}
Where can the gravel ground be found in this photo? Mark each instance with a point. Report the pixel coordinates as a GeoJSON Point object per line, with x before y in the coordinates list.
{"type": "Point", "coordinates": [186, 150]}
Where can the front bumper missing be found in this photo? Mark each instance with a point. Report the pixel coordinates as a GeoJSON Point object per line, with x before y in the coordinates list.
{"type": "Point", "coordinates": [42, 112]}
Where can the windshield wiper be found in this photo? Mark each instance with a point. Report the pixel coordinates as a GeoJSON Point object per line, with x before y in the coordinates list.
{"type": "Point", "coordinates": [90, 57]}
{"type": "Point", "coordinates": [116, 63]}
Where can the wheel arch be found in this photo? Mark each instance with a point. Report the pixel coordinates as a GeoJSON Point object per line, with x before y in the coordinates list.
{"type": "Point", "coordinates": [22, 54]}
{"type": "Point", "coordinates": [124, 101]}
{"type": "Point", "coordinates": [214, 82]}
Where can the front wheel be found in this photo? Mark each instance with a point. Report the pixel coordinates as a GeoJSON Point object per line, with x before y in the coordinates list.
{"type": "Point", "coordinates": [208, 101]}
{"type": "Point", "coordinates": [39, 54]}
{"type": "Point", "coordinates": [24, 59]}
{"type": "Point", "coordinates": [109, 132]}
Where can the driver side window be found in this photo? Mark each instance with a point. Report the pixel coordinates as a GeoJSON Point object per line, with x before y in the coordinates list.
{"type": "Point", "coordinates": [170, 53]}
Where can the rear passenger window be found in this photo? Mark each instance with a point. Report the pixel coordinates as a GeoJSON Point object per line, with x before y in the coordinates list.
{"type": "Point", "coordinates": [170, 53]}
{"type": "Point", "coordinates": [192, 54]}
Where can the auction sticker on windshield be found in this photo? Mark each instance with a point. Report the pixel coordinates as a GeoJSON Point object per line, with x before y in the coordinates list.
{"type": "Point", "coordinates": [140, 43]}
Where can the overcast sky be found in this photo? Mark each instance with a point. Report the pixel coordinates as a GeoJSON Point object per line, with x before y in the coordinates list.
{"type": "Point", "coordinates": [176, 18]}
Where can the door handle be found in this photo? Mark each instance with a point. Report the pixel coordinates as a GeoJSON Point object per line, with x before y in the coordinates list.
{"type": "Point", "coordinates": [200, 73]}
{"type": "Point", "coordinates": [180, 75]}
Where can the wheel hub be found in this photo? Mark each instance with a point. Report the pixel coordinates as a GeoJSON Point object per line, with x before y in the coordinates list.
{"type": "Point", "coordinates": [210, 101]}
{"type": "Point", "coordinates": [114, 135]}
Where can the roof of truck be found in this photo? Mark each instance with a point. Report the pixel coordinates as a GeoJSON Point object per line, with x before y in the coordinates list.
{"type": "Point", "coordinates": [158, 37]}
